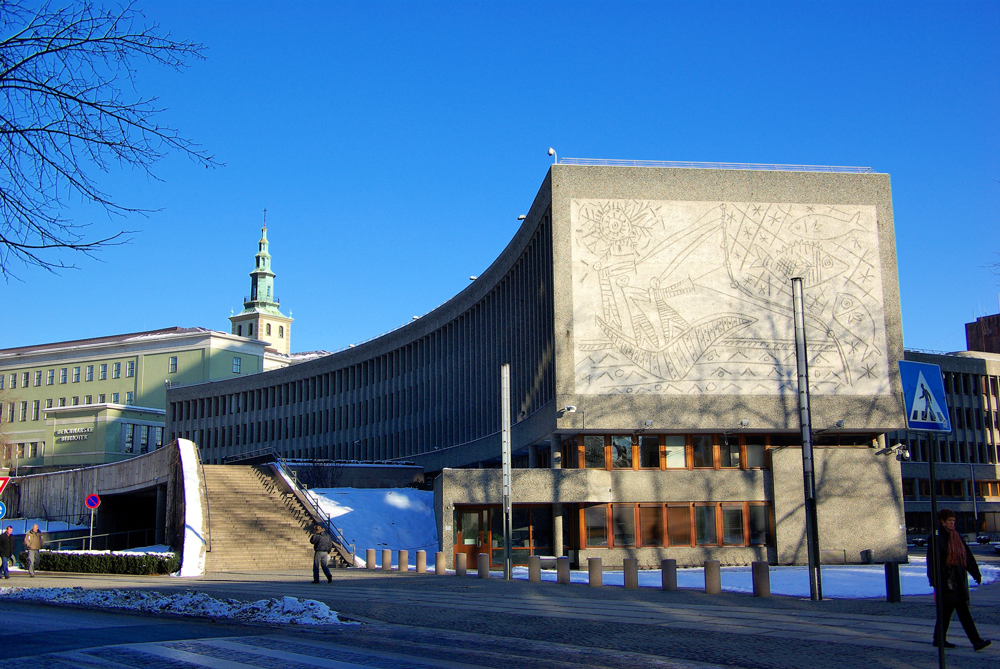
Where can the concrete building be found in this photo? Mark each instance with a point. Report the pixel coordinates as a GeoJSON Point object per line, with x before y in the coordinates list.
{"type": "Point", "coordinates": [984, 334]}
{"type": "Point", "coordinates": [101, 400]}
{"type": "Point", "coordinates": [646, 315]}
{"type": "Point", "coordinates": [966, 469]}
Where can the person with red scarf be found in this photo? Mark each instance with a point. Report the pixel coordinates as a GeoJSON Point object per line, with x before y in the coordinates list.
{"type": "Point", "coordinates": [957, 563]}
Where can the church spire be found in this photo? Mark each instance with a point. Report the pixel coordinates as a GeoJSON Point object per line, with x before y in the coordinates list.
{"type": "Point", "coordinates": [261, 317]}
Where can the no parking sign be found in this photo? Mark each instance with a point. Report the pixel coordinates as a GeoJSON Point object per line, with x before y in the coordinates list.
{"type": "Point", "coordinates": [93, 501]}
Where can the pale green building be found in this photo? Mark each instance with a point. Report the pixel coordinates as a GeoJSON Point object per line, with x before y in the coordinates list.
{"type": "Point", "coordinates": [96, 401]}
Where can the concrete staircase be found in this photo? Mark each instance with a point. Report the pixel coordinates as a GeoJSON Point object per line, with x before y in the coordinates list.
{"type": "Point", "coordinates": [255, 526]}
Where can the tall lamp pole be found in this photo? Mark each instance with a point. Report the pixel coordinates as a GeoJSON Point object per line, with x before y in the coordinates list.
{"type": "Point", "coordinates": [505, 458]}
{"type": "Point", "coordinates": [805, 420]}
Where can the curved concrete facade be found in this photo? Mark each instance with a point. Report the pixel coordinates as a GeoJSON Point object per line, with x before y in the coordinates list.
{"type": "Point", "coordinates": [646, 314]}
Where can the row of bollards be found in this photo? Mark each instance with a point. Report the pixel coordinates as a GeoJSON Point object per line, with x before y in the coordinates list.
{"type": "Point", "coordinates": [595, 567]}
{"type": "Point", "coordinates": [668, 567]}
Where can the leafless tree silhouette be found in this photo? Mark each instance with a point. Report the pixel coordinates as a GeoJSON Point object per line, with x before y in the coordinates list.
{"type": "Point", "coordinates": [67, 114]}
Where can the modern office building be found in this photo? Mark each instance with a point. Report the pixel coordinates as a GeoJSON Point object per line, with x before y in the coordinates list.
{"type": "Point", "coordinates": [646, 315]}
{"type": "Point", "coordinates": [100, 400]}
{"type": "Point", "coordinates": [966, 460]}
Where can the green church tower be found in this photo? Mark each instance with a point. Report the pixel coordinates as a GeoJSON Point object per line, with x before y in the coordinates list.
{"type": "Point", "coordinates": [261, 317]}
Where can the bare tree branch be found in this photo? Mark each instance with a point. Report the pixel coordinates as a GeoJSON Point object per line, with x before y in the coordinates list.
{"type": "Point", "coordinates": [68, 112]}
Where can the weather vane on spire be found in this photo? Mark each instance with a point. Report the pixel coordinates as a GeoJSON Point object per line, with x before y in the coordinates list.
{"type": "Point", "coordinates": [265, 217]}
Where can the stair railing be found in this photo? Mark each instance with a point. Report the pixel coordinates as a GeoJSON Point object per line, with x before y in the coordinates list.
{"type": "Point", "coordinates": [208, 509]}
{"type": "Point", "coordinates": [315, 510]}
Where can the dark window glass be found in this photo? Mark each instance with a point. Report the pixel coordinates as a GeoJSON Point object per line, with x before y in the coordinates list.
{"type": "Point", "coordinates": [649, 452]}
{"type": "Point", "coordinates": [520, 527]}
{"type": "Point", "coordinates": [621, 452]}
{"type": "Point", "coordinates": [755, 452]}
{"type": "Point", "coordinates": [702, 450]}
{"type": "Point", "coordinates": [541, 530]}
{"type": "Point", "coordinates": [623, 518]}
{"type": "Point", "coordinates": [760, 527]}
{"type": "Point", "coordinates": [732, 525]}
{"type": "Point", "coordinates": [593, 451]}
{"type": "Point", "coordinates": [595, 519]}
{"type": "Point", "coordinates": [651, 525]}
{"type": "Point", "coordinates": [679, 525]}
{"type": "Point", "coordinates": [729, 452]}
{"type": "Point", "coordinates": [704, 523]}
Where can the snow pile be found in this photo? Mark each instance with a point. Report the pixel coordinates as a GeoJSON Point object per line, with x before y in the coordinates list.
{"type": "Point", "coordinates": [285, 610]}
{"type": "Point", "coordinates": [158, 551]}
{"type": "Point", "coordinates": [839, 582]}
{"type": "Point", "coordinates": [398, 518]}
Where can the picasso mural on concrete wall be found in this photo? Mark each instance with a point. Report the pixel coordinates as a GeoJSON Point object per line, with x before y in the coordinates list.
{"type": "Point", "coordinates": [688, 297]}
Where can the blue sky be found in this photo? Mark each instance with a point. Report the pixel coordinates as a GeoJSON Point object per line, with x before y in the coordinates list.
{"type": "Point", "coordinates": [395, 143]}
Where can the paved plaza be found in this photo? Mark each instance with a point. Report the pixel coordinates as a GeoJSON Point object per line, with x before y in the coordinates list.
{"type": "Point", "coordinates": [414, 620]}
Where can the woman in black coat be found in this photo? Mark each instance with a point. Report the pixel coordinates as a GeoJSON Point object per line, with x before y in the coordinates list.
{"type": "Point", "coordinates": [957, 563]}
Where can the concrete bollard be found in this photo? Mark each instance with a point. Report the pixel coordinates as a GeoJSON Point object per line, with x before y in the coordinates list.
{"type": "Point", "coordinates": [669, 569]}
{"type": "Point", "coordinates": [421, 562]}
{"type": "Point", "coordinates": [404, 560]}
{"type": "Point", "coordinates": [461, 563]}
{"type": "Point", "coordinates": [713, 577]}
{"type": "Point", "coordinates": [596, 572]}
{"type": "Point", "coordinates": [386, 559]}
{"type": "Point", "coordinates": [631, 573]}
{"type": "Point", "coordinates": [534, 569]}
{"type": "Point", "coordinates": [562, 570]}
{"type": "Point", "coordinates": [440, 568]}
{"type": "Point", "coordinates": [761, 579]}
{"type": "Point", "coordinates": [893, 592]}
{"type": "Point", "coordinates": [484, 565]}
{"type": "Point", "coordinates": [370, 558]}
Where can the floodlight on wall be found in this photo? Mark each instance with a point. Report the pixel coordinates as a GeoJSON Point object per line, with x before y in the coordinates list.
{"type": "Point", "coordinates": [840, 423]}
{"type": "Point", "coordinates": [521, 217]}
{"type": "Point", "coordinates": [648, 423]}
{"type": "Point", "coordinates": [569, 409]}
{"type": "Point", "coordinates": [555, 158]}
{"type": "Point", "coordinates": [744, 423]}
{"type": "Point", "coordinates": [472, 278]}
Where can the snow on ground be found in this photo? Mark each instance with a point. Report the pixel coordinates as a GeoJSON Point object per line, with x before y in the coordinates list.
{"type": "Point", "coordinates": [285, 610]}
{"type": "Point", "coordinates": [839, 582]}
{"type": "Point", "coordinates": [396, 518]}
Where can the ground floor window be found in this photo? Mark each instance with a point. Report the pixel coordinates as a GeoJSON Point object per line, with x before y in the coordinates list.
{"type": "Point", "coordinates": [676, 524]}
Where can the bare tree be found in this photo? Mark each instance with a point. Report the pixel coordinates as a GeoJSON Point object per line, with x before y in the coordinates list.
{"type": "Point", "coordinates": [70, 111]}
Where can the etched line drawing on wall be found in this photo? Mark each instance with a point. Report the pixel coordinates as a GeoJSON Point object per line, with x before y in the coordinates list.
{"type": "Point", "coordinates": [677, 297]}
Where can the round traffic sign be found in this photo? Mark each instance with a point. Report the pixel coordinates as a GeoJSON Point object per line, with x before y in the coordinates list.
{"type": "Point", "coordinates": [93, 501]}
{"type": "Point", "coordinates": [3, 509]}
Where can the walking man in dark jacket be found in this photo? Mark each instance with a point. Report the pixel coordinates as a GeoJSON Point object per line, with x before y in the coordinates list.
{"type": "Point", "coordinates": [954, 563]}
{"type": "Point", "coordinates": [6, 549]}
{"type": "Point", "coordinates": [322, 545]}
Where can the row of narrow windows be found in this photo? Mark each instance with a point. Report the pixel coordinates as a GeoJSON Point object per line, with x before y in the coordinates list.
{"type": "Point", "coordinates": [267, 330]}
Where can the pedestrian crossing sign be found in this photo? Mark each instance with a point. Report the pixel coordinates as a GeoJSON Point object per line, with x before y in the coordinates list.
{"type": "Point", "coordinates": [924, 398]}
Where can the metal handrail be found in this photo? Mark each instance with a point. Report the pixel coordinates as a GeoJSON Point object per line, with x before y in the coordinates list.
{"type": "Point", "coordinates": [88, 539]}
{"type": "Point", "coordinates": [208, 508]}
{"type": "Point", "coordinates": [297, 489]}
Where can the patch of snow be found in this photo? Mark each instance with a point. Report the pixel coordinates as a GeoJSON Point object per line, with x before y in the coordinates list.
{"type": "Point", "coordinates": [193, 551]}
{"type": "Point", "coordinates": [397, 518]}
{"type": "Point", "coordinates": [289, 610]}
{"type": "Point", "coordinates": [160, 551]}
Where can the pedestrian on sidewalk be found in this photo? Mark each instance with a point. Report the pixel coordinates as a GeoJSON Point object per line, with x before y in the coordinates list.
{"type": "Point", "coordinates": [6, 549]}
{"type": "Point", "coordinates": [956, 564]}
{"type": "Point", "coordinates": [33, 542]}
{"type": "Point", "coordinates": [322, 545]}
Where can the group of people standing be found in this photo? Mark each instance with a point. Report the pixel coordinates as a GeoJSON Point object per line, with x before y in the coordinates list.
{"type": "Point", "coordinates": [33, 542]}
